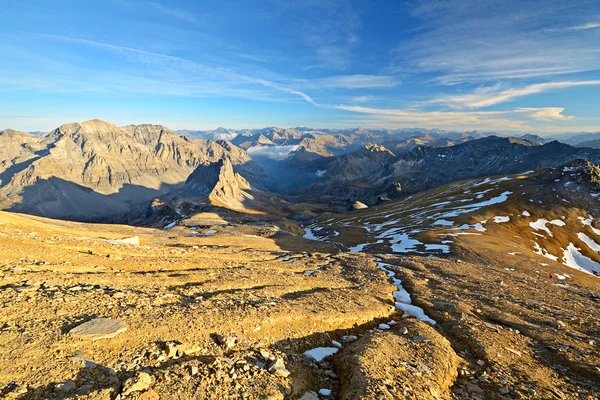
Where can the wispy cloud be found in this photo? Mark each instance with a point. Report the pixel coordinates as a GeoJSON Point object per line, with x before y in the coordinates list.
{"type": "Point", "coordinates": [514, 119]}
{"type": "Point", "coordinates": [159, 60]}
{"type": "Point", "coordinates": [358, 81]}
{"type": "Point", "coordinates": [360, 99]}
{"type": "Point", "coordinates": [488, 96]}
{"type": "Point", "coordinates": [174, 12]}
{"type": "Point", "coordinates": [589, 25]}
{"type": "Point", "coordinates": [482, 41]}
{"type": "Point", "coordinates": [546, 114]}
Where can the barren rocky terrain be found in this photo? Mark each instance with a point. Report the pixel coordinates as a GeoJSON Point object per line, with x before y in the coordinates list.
{"type": "Point", "coordinates": [485, 288]}
{"type": "Point", "coordinates": [216, 312]}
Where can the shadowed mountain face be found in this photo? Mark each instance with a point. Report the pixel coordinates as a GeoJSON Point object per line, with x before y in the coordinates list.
{"type": "Point", "coordinates": [549, 214]}
{"type": "Point", "coordinates": [367, 176]}
{"type": "Point", "coordinates": [94, 169]}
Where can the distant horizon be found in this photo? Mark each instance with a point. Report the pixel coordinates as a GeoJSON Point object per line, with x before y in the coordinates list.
{"type": "Point", "coordinates": [499, 132]}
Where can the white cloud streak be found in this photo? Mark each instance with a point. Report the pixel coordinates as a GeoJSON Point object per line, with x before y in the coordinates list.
{"type": "Point", "coordinates": [488, 96]}
{"type": "Point", "coordinates": [515, 119]}
{"type": "Point", "coordinates": [358, 82]}
{"type": "Point", "coordinates": [173, 12]}
{"type": "Point", "coordinates": [591, 25]}
{"type": "Point", "coordinates": [470, 41]}
{"type": "Point", "coordinates": [163, 60]}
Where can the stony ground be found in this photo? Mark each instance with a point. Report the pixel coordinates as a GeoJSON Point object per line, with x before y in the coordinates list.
{"type": "Point", "coordinates": [231, 315]}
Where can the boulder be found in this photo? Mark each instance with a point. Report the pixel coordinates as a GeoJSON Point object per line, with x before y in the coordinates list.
{"type": "Point", "coordinates": [99, 328]}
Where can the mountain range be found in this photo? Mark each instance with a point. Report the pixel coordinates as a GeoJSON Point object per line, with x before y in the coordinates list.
{"type": "Point", "coordinates": [90, 170]}
{"type": "Point", "coordinates": [96, 171]}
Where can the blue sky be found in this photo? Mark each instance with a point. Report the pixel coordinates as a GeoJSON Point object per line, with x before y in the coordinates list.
{"type": "Point", "coordinates": [461, 65]}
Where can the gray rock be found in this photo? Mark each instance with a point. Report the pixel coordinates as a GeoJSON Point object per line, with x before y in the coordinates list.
{"type": "Point", "coordinates": [227, 341]}
{"type": "Point", "coordinates": [99, 328]}
{"type": "Point", "coordinates": [66, 386]}
{"type": "Point", "coordinates": [444, 306]}
{"type": "Point", "coordinates": [277, 367]}
{"type": "Point", "coordinates": [309, 395]}
{"type": "Point", "coordinates": [471, 387]}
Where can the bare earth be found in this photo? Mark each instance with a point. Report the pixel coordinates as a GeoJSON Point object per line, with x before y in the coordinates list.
{"type": "Point", "coordinates": [230, 316]}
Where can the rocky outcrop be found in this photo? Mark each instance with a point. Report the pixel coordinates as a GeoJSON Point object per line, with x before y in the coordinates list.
{"type": "Point", "coordinates": [357, 205]}
{"type": "Point", "coordinates": [217, 184]}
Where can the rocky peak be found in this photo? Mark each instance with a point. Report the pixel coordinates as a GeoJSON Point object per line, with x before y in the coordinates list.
{"type": "Point", "coordinates": [217, 184]}
{"type": "Point", "coordinates": [121, 165]}
{"type": "Point", "coordinates": [96, 125]}
{"type": "Point", "coordinates": [374, 148]}
{"type": "Point", "coordinates": [11, 133]}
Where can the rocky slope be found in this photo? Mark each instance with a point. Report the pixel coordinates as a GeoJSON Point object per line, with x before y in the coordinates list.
{"type": "Point", "coordinates": [208, 312]}
{"type": "Point", "coordinates": [426, 167]}
{"type": "Point", "coordinates": [548, 214]}
{"type": "Point", "coordinates": [90, 170]}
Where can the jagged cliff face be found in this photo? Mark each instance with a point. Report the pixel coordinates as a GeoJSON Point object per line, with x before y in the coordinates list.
{"type": "Point", "coordinates": [86, 170]}
{"type": "Point", "coordinates": [16, 148]}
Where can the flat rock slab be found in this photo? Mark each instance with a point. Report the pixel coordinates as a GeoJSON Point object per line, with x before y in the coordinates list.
{"type": "Point", "coordinates": [99, 328]}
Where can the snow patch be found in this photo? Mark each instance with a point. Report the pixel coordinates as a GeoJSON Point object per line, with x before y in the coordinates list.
{"type": "Point", "coordinates": [319, 353]}
{"type": "Point", "coordinates": [443, 222]}
{"type": "Point", "coordinates": [402, 297]}
{"type": "Point", "coordinates": [589, 241]}
{"type": "Point", "coordinates": [543, 252]}
{"type": "Point", "coordinates": [171, 225]}
{"type": "Point", "coordinates": [540, 225]}
{"type": "Point", "coordinates": [574, 259]}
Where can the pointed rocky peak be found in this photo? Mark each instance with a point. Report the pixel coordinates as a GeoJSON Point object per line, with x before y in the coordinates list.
{"type": "Point", "coordinates": [218, 184]}
{"type": "Point", "coordinates": [374, 148]}
{"type": "Point", "coordinates": [263, 140]}
{"type": "Point", "coordinates": [204, 178]}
